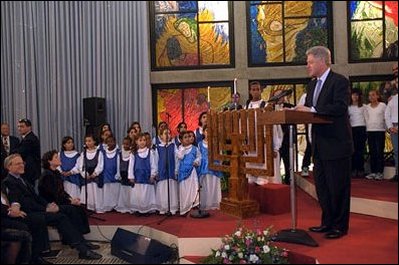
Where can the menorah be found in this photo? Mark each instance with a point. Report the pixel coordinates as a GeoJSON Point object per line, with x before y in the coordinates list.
{"type": "Point", "coordinates": [236, 139]}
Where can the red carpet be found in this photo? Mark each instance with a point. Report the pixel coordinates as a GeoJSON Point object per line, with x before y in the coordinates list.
{"type": "Point", "coordinates": [370, 239]}
{"type": "Point", "coordinates": [381, 190]}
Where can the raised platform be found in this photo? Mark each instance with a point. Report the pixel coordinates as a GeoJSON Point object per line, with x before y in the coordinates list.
{"type": "Point", "coordinates": [370, 197]}
{"type": "Point", "coordinates": [195, 237]}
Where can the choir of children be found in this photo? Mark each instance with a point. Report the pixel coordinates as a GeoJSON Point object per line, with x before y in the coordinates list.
{"type": "Point", "coordinates": [146, 175]}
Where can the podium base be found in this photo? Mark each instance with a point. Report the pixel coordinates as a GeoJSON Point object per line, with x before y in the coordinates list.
{"type": "Point", "coordinates": [199, 214]}
{"type": "Point", "coordinates": [296, 236]}
{"type": "Point", "coordinates": [241, 209]}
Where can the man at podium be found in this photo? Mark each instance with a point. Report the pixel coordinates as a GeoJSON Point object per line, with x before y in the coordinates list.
{"type": "Point", "coordinates": [332, 146]}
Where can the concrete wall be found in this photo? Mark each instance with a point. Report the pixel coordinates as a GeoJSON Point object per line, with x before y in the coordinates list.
{"type": "Point", "coordinates": [244, 73]}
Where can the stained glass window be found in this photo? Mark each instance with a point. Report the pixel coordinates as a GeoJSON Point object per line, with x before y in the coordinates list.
{"type": "Point", "coordinates": [280, 32]}
{"type": "Point", "coordinates": [191, 34]}
{"type": "Point", "coordinates": [187, 103]}
{"type": "Point", "coordinates": [373, 30]}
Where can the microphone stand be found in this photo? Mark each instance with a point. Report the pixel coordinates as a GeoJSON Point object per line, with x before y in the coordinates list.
{"type": "Point", "coordinates": [89, 213]}
{"type": "Point", "coordinates": [199, 213]}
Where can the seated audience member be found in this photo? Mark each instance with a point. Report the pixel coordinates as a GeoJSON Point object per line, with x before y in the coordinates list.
{"type": "Point", "coordinates": [15, 236]}
{"type": "Point", "coordinates": [19, 190]}
{"type": "Point", "coordinates": [51, 188]}
{"type": "Point", "coordinates": [14, 217]}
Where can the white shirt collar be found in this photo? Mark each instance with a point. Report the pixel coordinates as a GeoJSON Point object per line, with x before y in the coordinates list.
{"type": "Point", "coordinates": [323, 77]}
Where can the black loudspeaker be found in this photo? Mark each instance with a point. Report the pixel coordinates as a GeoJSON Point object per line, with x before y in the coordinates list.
{"type": "Point", "coordinates": [94, 113]}
{"type": "Point", "coordinates": [138, 249]}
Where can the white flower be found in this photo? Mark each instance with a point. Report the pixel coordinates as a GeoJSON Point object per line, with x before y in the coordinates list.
{"type": "Point", "coordinates": [258, 238]}
{"type": "Point", "coordinates": [217, 254]}
{"type": "Point", "coordinates": [227, 247]}
{"type": "Point", "coordinates": [240, 255]}
{"type": "Point", "coordinates": [266, 249]}
{"type": "Point", "coordinates": [265, 232]}
{"type": "Point", "coordinates": [224, 255]}
{"type": "Point", "coordinates": [253, 258]}
{"type": "Point", "coordinates": [238, 233]}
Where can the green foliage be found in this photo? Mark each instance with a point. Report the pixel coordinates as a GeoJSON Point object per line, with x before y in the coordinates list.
{"type": "Point", "coordinates": [312, 37]}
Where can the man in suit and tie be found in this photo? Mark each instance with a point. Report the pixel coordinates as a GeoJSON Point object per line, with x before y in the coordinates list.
{"type": "Point", "coordinates": [10, 142]}
{"type": "Point", "coordinates": [29, 149]}
{"type": "Point", "coordinates": [332, 145]}
{"type": "Point", "coordinates": [8, 145]}
{"type": "Point", "coordinates": [19, 190]}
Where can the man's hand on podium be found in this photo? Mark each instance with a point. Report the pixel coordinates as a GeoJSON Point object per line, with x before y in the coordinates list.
{"type": "Point", "coordinates": [303, 108]}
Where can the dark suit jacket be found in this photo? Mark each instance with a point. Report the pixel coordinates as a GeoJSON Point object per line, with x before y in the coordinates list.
{"type": "Point", "coordinates": [3, 157]}
{"type": "Point", "coordinates": [24, 194]}
{"type": "Point", "coordinates": [332, 141]}
{"type": "Point", "coordinates": [14, 143]}
{"type": "Point", "coordinates": [51, 187]}
{"type": "Point", "coordinates": [29, 149]}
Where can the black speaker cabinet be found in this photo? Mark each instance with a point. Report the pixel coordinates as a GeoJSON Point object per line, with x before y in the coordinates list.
{"type": "Point", "coordinates": [94, 113]}
{"type": "Point", "coordinates": [138, 249]}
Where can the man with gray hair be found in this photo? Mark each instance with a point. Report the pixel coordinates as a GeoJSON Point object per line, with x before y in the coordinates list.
{"type": "Point", "coordinates": [332, 146]}
{"type": "Point", "coordinates": [21, 191]}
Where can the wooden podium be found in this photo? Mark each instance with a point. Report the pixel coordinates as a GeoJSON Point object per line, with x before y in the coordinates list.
{"type": "Point", "coordinates": [291, 118]}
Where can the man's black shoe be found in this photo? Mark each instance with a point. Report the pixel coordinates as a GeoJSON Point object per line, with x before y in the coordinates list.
{"type": "Point", "coordinates": [90, 255]}
{"type": "Point", "coordinates": [334, 234]}
{"type": "Point", "coordinates": [320, 229]}
{"type": "Point", "coordinates": [91, 246]}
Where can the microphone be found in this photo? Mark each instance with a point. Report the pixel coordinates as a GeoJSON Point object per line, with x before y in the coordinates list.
{"type": "Point", "coordinates": [281, 95]}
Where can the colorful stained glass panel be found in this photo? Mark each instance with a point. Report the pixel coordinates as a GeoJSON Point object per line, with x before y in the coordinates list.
{"type": "Point", "coordinates": [187, 104]}
{"type": "Point", "coordinates": [166, 98]}
{"type": "Point", "coordinates": [367, 37]}
{"type": "Point", "coordinates": [290, 9]}
{"type": "Point", "coordinates": [185, 36]}
{"type": "Point", "coordinates": [282, 34]}
{"type": "Point", "coordinates": [177, 45]}
{"type": "Point", "coordinates": [214, 51]}
{"type": "Point", "coordinates": [216, 10]}
{"type": "Point", "coordinates": [173, 6]}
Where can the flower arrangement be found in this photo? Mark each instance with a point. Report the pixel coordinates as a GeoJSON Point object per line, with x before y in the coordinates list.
{"type": "Point", "coordinates": [245, 246]}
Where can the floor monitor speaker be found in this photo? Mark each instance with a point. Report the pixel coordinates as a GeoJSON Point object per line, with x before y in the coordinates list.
{"type": "Point", "coordinates": [138, 249]}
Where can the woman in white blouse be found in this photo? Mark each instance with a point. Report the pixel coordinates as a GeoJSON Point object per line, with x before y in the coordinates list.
{"type": "Point", "coordinates": [358, 123]}
{"type": "Point", "coordinates": [375, 123]}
